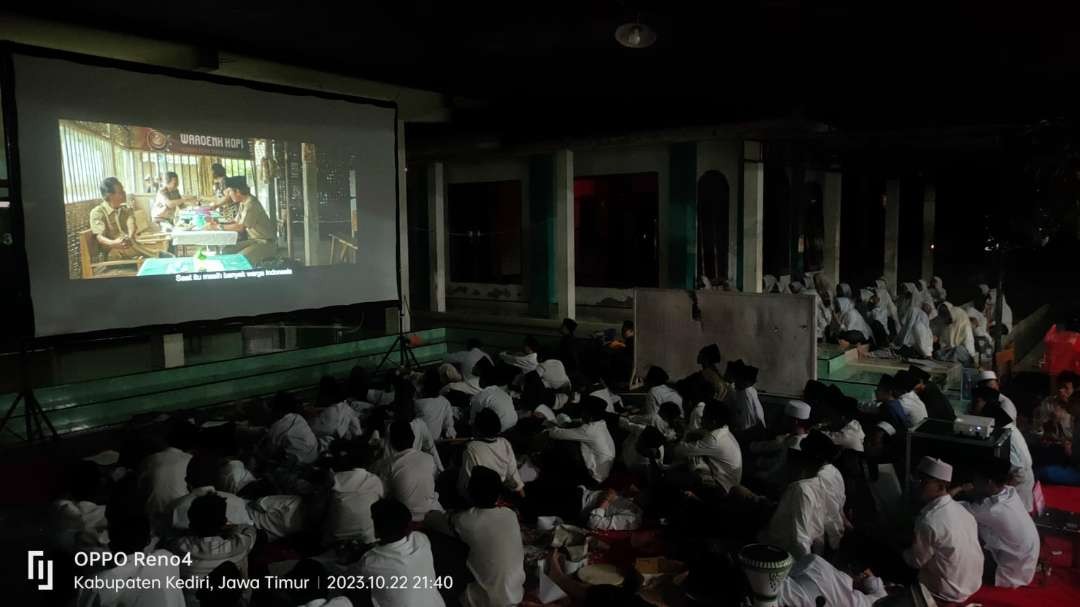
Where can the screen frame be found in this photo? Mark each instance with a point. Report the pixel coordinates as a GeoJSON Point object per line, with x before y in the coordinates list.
{"type": "Point", "coordinates": [25, 330]}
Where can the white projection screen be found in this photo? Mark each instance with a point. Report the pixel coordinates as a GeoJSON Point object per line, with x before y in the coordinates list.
{"type": "Point", "coordinates": [322, 170]}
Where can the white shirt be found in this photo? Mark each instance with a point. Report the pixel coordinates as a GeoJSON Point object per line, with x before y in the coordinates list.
{"type": "Point", "coordinates": [335, 421]}
{"type": "Point", "coordinates": [1007, 405]}
{"type": "Point", "coordinates": [835, 498]}
{"type": "Point", "coordinates": [609, 397]}
{"type": "Point", "coordinates": [851, 436]}
{"type": "Point", "coordinates": [407, 558]}
{"type": "Point", "coordinates": [236, 512]}
{"type": "Point", "coordinates": [798, 525]}
{"type": "Point", "coordinates": [716, 458]}
{"type": "Point", "coordinates": [659, 395]}
{"type": "Point", "coordinates": [280, 516]}
{"type": "Point", "coordinates": [234, 476]}
{"type": "Point", "coordinates": [466, 360]}
{"type": "Point", "coordinates": [291, 437]}
{"type": "Point", "coordinates": [209, 552]}
{"type": "Point", "coordinates": [153, 597]}
{"type": "Point", "coordinates": [1020, 459]}
{"type": "Point", "coordinates": [597, 446]}
{"type": "Point", "coordinates": [496, 454]}
{"type": "Point", "coordinates": [78, 525]}
{"type": "Point", "coordinates": [914, 407]}
{"type": "Point", "coordinates": [812, 576]}
{"type": "Point", "coordinates": [349, 513]}
{"type": "Point", "coordinates": [470, 386]}
{"type": "Point", "coordinates": [163, 477]}
{"type": "Point", "coordinates": [438, 414]}
{"type": "Point", "coordinates": [526, 362]}
{"type": "Point", "coordinates": [497, 398]}
{"type": "Point", "coordinates": [946, 551]}
{"type": "Point", "coordinates": [1008, 533]}
{"type": "Point", "coordinates": [409, 477]}
{"type": "Point", "coordinates": [746, 409]}
{"type": "Point", "coordinates": [633, 427]}
{"type": "Point", "coordinates": [496, 555]}
{"type": "Point", "coordinates": [553, 374]}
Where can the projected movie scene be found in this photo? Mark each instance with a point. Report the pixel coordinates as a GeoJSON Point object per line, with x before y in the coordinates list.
{"type": "Point", "coordinates": [145, 201]}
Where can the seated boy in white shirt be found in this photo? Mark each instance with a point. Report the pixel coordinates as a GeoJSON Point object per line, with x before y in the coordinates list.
{"type": "Point", "coordinates": [211, 540]}
{"type": "Point", "coordinates": [493, 534]}
{"type": "Point", "coordinates": [597, 446]}
{"type": "Point", "coordinates": [408, 473]}
{"type": "Point", "coordinates": [400, 554]}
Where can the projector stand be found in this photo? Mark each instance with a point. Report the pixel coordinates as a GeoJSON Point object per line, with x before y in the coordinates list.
{"type": "Point", "coordinates": [33, 414]}
{"type": "Point", "coordinates": [406, 358]}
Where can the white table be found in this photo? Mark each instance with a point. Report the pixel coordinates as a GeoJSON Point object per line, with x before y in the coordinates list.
{"type": "Point", "coordinates": [215, 238]}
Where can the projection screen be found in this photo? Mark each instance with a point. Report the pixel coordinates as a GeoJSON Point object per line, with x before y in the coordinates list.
{"type": "Point", "coordinates": [155, 199]}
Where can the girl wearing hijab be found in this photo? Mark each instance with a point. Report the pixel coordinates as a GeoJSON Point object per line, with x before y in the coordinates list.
{"type": "Point", "coordinates": [849, 322]}
{"type": "Point", "coordinates": [882, 289]}
{"type": "Point", "coordinates": [991, 302]}
{"type": "Point", "coordinates": [914, 337]}
{"type": "Point", "coordinates": [955, 337]}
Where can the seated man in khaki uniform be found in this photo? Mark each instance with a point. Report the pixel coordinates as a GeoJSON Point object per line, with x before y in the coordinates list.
{"type": "Point", "coordinates": [168, 199]}
{"type": "Point", "coordinates": [113, 224]}
{"type": "Point", "coordinates": [258, 238]}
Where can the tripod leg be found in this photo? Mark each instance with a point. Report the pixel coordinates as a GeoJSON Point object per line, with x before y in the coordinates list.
{"type": "Point", "coordinates": [11, 411]}
{"type": "Point", "coordinates": [385, 357]}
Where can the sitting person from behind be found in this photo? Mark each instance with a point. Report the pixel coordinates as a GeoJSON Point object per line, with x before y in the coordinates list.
{"type": "Point", "coordinates": [399, 554]}
{"type": "Point", "coordinates": [493, 535]}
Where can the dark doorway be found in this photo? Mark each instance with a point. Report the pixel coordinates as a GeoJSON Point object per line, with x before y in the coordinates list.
{"type": "Point", "coordinates": [713, 206]}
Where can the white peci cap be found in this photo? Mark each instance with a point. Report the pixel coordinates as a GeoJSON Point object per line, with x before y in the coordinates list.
{"type": "Point", "coordinates": [935, 468]}
{"type": "Point", "coordinates": [797, 409]}
{"type": "Point", "coordinates": [887, 428]}
{"type": "Point", "coordinates": [987, 376]}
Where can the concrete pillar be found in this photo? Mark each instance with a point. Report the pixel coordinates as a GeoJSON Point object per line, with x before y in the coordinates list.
{"type": "Point", "coordinates": [437, 245]}
{"type": "Point", "coordinates": [681, 225]}
{"type": "Point", "coordinates": [753, 217]}
{"type": "Point", "coordinates": [540, 273]}
{"type": "Point", "coordinates": [892, 234]}
{"type": "Point", "coordinates": [831, 207]}
{"type": "Point", "coordinates": [309, 172]}
{"type": "Point", "coordinates": [403, 227]}
{"type": "Point", "coordinates": [565, 280]}
{"type": "Point", "coordinates": [928, 220]}
{"type": "Point", "coordinates": [172, 345]}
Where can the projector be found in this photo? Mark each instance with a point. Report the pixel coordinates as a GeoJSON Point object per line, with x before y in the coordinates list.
{"type": "Point", "coordinates": [973, 426]}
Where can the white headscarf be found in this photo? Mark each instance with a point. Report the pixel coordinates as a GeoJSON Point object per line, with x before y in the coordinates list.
{"type": "Point", "coordinates": [880, 312]}
{"type": "Point", "coordinates": [887, 300]}
{"type": "Point", "coordinates": [915, 328]}
{"type": "Point", "coordinates": [991, 300]}
{"type": "Point", "coordinates": [850, 319]}
{"type": "Point", "coordinates": [978, 322]}
{"type": "Point", "coordinates": [769, 283]}
{"type": "Point", "coordinates": [958, 332]}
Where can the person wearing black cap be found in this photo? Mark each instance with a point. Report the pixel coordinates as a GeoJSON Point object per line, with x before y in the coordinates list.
{"type": "Point", "coordinates": [889, 408]}
{"type": "Point", "coordinates": [258, 236]}
{"type": "Point", "coordinates": [821, 447]}
{"type": "Point", "coordinates": [746, 409]}
{"type": "Point", "coordinates": [904, 383]}
{"type": "Point", "coordinates": [937, 405]}
{"type": "Point", "coordinates": [709, 359]}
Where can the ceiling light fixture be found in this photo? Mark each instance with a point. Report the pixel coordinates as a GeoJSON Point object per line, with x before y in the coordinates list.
{"type": "Point", "coordinates": [635, 35]}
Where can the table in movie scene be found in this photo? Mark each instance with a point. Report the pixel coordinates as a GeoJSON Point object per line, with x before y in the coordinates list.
{"type": "Point", "coordinates": [209, 238]}
{"type": "Point", "coordinates": [192, 215]}
{"type": "Point", "coordinates": [161, 266]}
